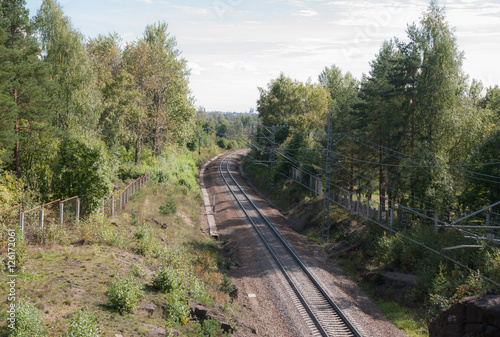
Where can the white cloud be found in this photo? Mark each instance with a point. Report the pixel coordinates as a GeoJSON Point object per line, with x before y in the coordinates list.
{"type": "Point", "coordinates": [192, 10]}
{"type": "Point", "coordinates": [195, 68]}
{"type": "Point", "coordinates": [307, 13]}
{"type": "Point", "coordinates": [236, 65]}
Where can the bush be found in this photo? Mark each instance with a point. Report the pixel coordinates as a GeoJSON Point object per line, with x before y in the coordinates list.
{"type": "Point", "coordinates": [176, 310]}
{"type": "Point", "coordinates": [145, 240]}
{"type": "Point", "coordinates": [170, 207]}
{"type": "Point", "coordinates": [124, 294]}
{"type": "Point", "coordinates": [167, 279]}
{"type": "Point", "coordinates": [28, 321]}
{"type": "Point", "coordinates": [226, 286]}
{"type": "Point", "coordinates": [83, 324]}
{"type": "Point", "coordinates": [211, 327]}
{"type": "Point", "coordinates": [83, 168]}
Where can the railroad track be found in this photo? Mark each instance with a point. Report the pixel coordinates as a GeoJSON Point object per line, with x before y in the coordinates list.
{"type": "Point", "coordinates": [321, 314]}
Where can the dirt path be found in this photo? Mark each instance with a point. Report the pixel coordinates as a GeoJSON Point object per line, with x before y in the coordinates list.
{"type": "Point", "coordinates": [264, 306]}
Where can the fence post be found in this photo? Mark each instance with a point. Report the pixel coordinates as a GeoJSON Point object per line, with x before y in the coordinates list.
{"type": "Point", "coordinates": [392, 217]}
{"type": "Point", "coordinates": [357, 207]}
{"type": "Point", "coordinates": [41, 217]}
{"type": "Point", "coordinates": [21, 220]}
{"type": "Point", "coordinates": [488, 219]}
{"type": "Point", "coordinates": [368, 209]}
{"type": "Point", "coordinates": [379, 212]}
{"type": "Point", "coordinates": [77, 209]}
{"type": "Point", "coordinates": [112, 205]}
{"type": "Point", "coordinates": [121, 200]}
{"type": "Point", "coordinates": [61, 212]}
{"type": "Point", "coordinates": [102, 202]}
{"type": "Point", "coordinates": [349, 201]}
{"type": "Point", "coordinates": [436, 221]}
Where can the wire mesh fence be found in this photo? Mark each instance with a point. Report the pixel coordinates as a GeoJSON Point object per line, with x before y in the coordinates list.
{"type": "Point", "coordinates": [38, 221]}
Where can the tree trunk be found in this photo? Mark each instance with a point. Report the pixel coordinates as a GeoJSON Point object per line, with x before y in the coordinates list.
{"type": "Point", "coordinates": [16, 148]}
{"type": "Point", "coordinates": [136, 157]}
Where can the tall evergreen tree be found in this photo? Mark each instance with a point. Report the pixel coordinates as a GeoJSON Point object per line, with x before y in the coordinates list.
{"type": "Point", "coordinates": [24, 88]}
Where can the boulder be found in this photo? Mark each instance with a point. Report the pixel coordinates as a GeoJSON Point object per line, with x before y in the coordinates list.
{"type": "Point", "coordinates": [470, 317]}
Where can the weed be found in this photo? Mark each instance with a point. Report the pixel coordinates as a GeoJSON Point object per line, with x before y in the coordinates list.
{"type": "Point", "coordinates": [226, 286]}
{"type": "Point", "coordinates": [167, 279]}
{"type": "Point", "coordinates": [28, 321]}
{"type": "Point", "coordinates": [138, 271]}
{"type": "Point", "coordinates": [83, 324]}
{"type": "Point", "coordinates": [145, 242]}
{"type": "Point", "coordinates": [170, 207]}
{"type": "Point", "coordinates": [176, 310]}
{"type": "Point", "coordinates": [124, 294]}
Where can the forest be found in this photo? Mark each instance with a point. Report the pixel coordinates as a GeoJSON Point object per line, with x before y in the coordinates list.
{"type": "Point", "coordinates": [75, 111]}
{"type": "Point", "coordinates": [416, 136]}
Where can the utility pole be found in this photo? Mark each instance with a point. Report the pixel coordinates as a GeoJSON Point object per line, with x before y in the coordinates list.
{"type": "Point", "coordinates": [272, 157]}
{"type": "Point", "coordinates": [326, 188]}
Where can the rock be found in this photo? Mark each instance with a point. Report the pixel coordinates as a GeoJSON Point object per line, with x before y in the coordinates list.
{"type": "Point", "coordinates": [149, 308]}
{"type": "Point", "coordinates": [198, 310]}
{"type": "Point", "coordinates": [226, 327]}
{"type": "Point", "coordinates": [407, 279]}
{"type": "Point", "coordinates": [234, 294]}
{"type": "Point", "coordinates": [469, 317]}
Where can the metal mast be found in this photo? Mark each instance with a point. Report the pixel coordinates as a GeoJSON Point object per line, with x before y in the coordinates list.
{"type": "Point", "coordinates": [326, 187]}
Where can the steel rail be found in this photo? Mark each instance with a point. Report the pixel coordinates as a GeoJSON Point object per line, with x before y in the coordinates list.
{"type": "Point", "coordinates": [295, 257]}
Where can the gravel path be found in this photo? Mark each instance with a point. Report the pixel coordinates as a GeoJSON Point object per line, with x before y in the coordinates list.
{"type": "Point", "coordinates": [264, 308]}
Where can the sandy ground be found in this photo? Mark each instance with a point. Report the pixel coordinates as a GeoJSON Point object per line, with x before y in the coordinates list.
{"type": "Point", "coordinates": [265, 308]}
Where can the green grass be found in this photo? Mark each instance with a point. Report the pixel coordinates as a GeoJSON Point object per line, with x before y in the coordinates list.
{"type": "Point", "coordinates": [404, 318]}
{"type": "Point", "coordinates": [60, 280]}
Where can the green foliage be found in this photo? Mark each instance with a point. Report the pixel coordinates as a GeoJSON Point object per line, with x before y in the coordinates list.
{"type": "Point", "coordinates": [28, 321]}
{"type": "Point", "coordinates": [226, 286]}
{"type": "Point", "coordinates": [212, 327]}
{"type": "Point", "coordinates": [21, 251]}
{"type": "Point", "coordinates": [124, 294]}
{"type": "Point", "coordinates": [170, 207]}
{"type": "Point", "coordinates": [176, 310]}
{"type": "Point", "coordinates": [167, 279]}
{"type": "Point", "coordinates": [83, 324]}
{"type": "Point", "coordinates": [83, 169]}
{"type": "Point", "coordinates": [145, 239]}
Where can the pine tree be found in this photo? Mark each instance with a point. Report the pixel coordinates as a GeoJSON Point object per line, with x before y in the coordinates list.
{"type": "Point", "coordinates": [24, 89]}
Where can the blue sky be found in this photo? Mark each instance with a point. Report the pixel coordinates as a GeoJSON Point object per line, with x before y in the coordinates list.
{"type": "Point", "coordinates": [235, 46]}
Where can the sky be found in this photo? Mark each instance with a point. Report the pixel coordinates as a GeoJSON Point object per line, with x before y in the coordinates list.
{"type": "Point", "coordinates": [235, 46]}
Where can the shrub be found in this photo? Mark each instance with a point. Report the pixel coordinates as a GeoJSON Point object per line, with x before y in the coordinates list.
{"type": "Point", "coordinates": [124, 294]}
{"type": "Point", "coordinates": [176, 310]}
{"type": "Point", "coordinates": [169, 208]}
{"type": "Point", "coordinates": [211, 327]}
{"type": "Point", "coordinates": [167, 279]}
{"type": "Point", "coordinates": [83, 324]}
{"type": "Point", "coordinates": [28, 321]}
{"type": "Point", "coordinates": [226, 285]}
{"type": "Point", "coordinates": [21, 250]}
{"type": "Point", "coordinates": [145, 240]}
{"type": "Point", "coordinates": [83, 168]}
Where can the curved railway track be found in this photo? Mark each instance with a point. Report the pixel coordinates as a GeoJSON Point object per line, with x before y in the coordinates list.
{"type": "Point", "coordinates": [322, 315]}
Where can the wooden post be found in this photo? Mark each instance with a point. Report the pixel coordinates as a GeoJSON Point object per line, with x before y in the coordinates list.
{"type": "Point", "coordinates": [379, 212]}
{"type": "Point", "coordinates": [391, 217]}
{"type": "Point", "coordinates": [488, 219]}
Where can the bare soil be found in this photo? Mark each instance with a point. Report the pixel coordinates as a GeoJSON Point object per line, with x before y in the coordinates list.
{"type": "Point", "coordinates": [264, 306]}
